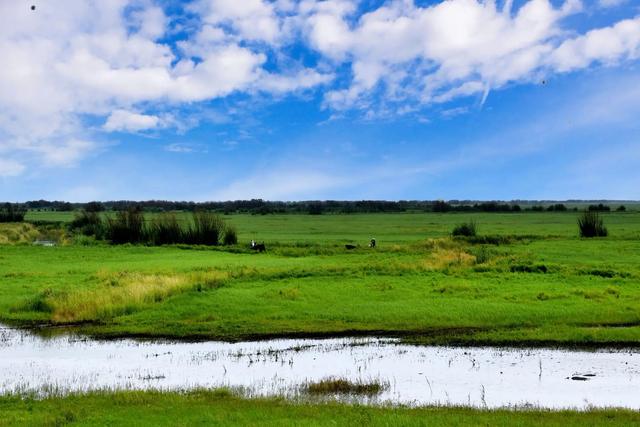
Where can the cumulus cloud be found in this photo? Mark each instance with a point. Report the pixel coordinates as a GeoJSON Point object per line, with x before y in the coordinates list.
{"type": "Point", "coordinates": [607, 45]}
{"type": "Point", "coordinates": [123, 120]}
{"type": "Point", "coordinates": [108, 59]}
{"type": "Point", "coordinates": [118, 61]}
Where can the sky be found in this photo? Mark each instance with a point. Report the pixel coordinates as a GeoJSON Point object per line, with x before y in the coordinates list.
{"type": "Point", "coordinates": [335, 99]}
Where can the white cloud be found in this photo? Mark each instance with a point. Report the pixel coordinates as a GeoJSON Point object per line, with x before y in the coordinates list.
{"type": "Point", "coordinates": [123, 120]}
{"type": "Point", "coordinates": [607, 45]}
{"type": "Point", "coordinates": [250, 19]}
{"type": "Point", "coordinates": [185, 147]}
{"type": "Point", "coordinates": [10, 167]}
{"type": "Point", "coordinates": [110, 60]}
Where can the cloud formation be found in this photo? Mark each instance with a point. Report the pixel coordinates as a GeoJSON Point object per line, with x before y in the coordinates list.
{"type": "Point", "coordinates": [128, 63]}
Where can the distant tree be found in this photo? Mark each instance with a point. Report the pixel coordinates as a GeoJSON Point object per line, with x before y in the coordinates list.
{"type": "Point", "coordinates": [94, 207]}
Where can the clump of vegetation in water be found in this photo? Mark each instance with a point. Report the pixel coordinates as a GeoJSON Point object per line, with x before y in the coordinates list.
{"type": "Point", "coordinates": [343, 386]}
{"type": "Point", "coordinates": [591, 225]}
{"type": "Point", "coordinates": [466, 229]}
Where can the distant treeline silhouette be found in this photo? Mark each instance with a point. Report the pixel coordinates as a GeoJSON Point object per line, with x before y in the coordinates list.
{"type": "Point", "coordinates": [315, 207]}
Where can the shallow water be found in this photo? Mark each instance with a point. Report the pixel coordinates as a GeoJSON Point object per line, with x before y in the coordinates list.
{"type": "Point", "coordinates": [482, 377]}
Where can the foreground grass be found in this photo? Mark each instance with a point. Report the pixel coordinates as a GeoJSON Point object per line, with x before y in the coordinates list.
{"type": "Point", "coordinates": [219, 407]}
{"type": "Point", "coordinates": [537, 286]}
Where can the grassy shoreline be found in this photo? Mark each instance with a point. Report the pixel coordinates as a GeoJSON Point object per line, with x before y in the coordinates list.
{"type": "Point", "coordinates": [222, 407]}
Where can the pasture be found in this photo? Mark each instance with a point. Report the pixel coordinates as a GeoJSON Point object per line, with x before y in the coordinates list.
{"type": "Point", "coordinates": [532, 281]}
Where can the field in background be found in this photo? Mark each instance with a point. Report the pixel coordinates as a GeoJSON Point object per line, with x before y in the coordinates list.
{"type": "Point", "coordinates": [396, 228]}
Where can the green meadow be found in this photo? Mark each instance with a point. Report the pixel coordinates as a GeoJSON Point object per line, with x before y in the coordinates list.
{"type": "Point", "coordinates": [527, 279]}
{"type": "Point", "coordinates": [220, 407]}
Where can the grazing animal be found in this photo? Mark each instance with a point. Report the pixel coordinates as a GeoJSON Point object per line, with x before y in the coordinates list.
{"type": "Point", "coordinates": [349, 247]}
{"type": "Point", "coordinates": [372, 244]}
{"type": "Point", "coordinates": [258, 247]}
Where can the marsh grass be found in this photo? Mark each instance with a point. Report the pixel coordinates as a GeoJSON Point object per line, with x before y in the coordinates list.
{"type": "Point", "coordinates": [119, 294]}
{"type": "Point", "coordinates": [466, 229]}
{"type": "Point", "coordinates": [16, 233]}
{"type": "Point", "coordinates": [591, 224]}
{"type": "Point", "coordinates": [204, 228]}
{"type": "Point", "coordinates": [334, 386]}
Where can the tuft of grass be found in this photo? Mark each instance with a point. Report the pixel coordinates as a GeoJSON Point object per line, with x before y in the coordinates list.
{"type": "Point", "coordinates": [332, 386]}
{"type": "Point", "coordinates": [466, 229]}
{"type": "Point", "coordinates": [230, 236]}
{"type": "Point", "coordinates": [118, 294]}
{"type": "Point", "coordinates": [18, 233]}
{"type": "Point", "coordinates": [591, 224]}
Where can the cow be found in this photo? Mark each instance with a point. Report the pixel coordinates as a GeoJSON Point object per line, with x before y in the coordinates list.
{"type": "Point", "coordinates": [259, 247]}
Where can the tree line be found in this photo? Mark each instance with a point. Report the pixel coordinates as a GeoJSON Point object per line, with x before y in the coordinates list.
{"type": "Point", "coordinates": [313, 207]}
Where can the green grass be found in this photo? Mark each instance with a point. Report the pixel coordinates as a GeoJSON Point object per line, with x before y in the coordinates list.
{"type": "Point", "coordinates": [542, 285]}
{"type": "Point", "coordinates": [219, 407]}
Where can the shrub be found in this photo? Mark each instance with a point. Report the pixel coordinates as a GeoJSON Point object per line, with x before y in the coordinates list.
{"type": "Point", "coordinates": [165, 230]}
{"type": "Point", "coordinates": [127, 227]}
{"type": "Point", "coordinates": [467, 229]}
{"type": "Point", "coordinates": [230, 236]}
{"type": "Point", "coordinates": [591, 225]}
{"type": "Point", "coordinates": [207, 228]}
{"type": "Point", "coordinates": [12, 213]}
{"type": "Point", "coordinates": [621, 208]}
{"type": "Point", "coordinates": [599, 208]}
{"type": "Point", "coordinates": [88, 223]}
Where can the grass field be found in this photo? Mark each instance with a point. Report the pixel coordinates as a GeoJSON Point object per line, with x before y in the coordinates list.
{"type": "Point", "coordinates": [219, 407]}
{"type": "Point", "coordinates": [541, 285]}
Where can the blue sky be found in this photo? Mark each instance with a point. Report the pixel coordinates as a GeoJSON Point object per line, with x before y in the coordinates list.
{"type": "Point", "coordinates": [336, 99]}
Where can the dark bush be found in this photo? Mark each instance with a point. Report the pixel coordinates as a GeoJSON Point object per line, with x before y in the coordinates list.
{"type": "Point", "coordinates": [88, 223]}
{"type": "Point", "coordinates": [599, 208]}
{"type": "Point", "coordinates": [230, 236]}
{"type": "Point", "coordinates": [558, 207]}
{"type": "Point", "coordinates": [467, 229]}
{"type": "Point", "coordinates": [621, 208]}
{"type": "Point", "coordinates": [207, 228]}
{"type": "Point", "coordinates": [12, 213]}
{"type": "Point", "coordinates": [94, 207]}
{"type": "Point", "coordinates": [441, 206]}
{"type": "Point", "coordinates": [127, 227]}
{"type": "Point", "coordinates": [165, 230]}
{"type": "Point", "coordinates": [519, 268]}
{"type": "Point", "coordinates": [591, 225]}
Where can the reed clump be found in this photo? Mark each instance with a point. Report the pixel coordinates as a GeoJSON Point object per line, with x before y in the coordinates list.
{"type": "Point", "coordinates": [466, 229]}
{"type": "Point", "coordinates": [130, 226]}
{"type": "Point", "coordinates": [591, 224]}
